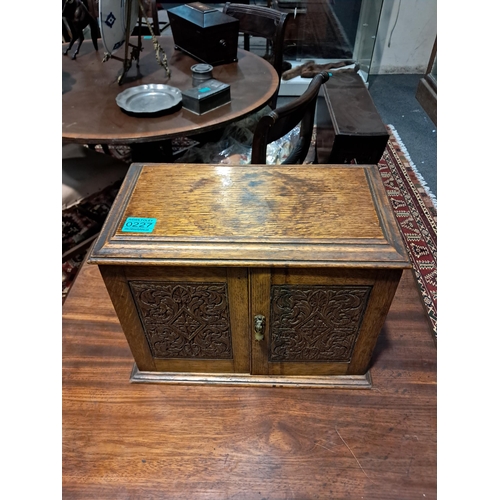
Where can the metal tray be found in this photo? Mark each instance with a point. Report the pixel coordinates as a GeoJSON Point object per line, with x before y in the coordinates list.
{"type": "Point", "coordinates": [149, 99]}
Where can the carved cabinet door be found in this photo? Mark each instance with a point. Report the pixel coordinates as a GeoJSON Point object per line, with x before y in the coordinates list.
{"type": "Point", "coordinates": [316, 321]}
{"type": "Point", "coordinates": [259, 321]}
{"type": "Point", "coordinates": [183, 319]}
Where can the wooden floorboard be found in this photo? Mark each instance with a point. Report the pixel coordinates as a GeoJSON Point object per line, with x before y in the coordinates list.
{"type": "Point", "coordinates": [149, 441]}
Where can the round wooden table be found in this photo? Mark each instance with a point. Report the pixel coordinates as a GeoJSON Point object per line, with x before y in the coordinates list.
{"type": "Point", "coordinates": [90, 114]}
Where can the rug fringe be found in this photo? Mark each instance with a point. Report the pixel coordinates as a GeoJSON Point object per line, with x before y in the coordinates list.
{"type": "Point", "coordinates": [422, 181]}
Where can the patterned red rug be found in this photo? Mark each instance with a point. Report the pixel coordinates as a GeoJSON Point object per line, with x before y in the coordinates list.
{"type": "Point", "coordinates": [414, 207]}
{"type": "Point", "coordinates": [79, 223]}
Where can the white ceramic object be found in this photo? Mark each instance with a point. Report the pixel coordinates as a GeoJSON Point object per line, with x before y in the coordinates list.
{"type": "Point", "coordinates": [113, 22]}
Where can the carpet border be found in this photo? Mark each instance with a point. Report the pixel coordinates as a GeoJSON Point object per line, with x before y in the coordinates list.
{"type": "Point", "coordinates": [419, 176]}
{"type": "Point", "coordinates": [417, 219]}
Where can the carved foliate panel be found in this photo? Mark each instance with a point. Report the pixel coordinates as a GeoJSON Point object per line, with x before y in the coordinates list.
{"type": "Point", "coordinates": [184, 320]}
{"type": "Point", "coordinates": [315, 323]}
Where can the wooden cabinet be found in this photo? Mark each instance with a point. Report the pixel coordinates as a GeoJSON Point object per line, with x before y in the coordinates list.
{"type": "Point", "coordinates": [271, 275]}
{"type": "Point", "coordinates": [426, 93]}
{"type": "Point", "coordinates": [352, 128]}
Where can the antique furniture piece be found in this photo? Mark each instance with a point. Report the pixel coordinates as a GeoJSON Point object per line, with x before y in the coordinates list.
{"type": "Point", "coordinates": [272, 275]}
{"type": "Point", "coordinates": [262, 22]}
{"type": "Point", "coordinates": [90, 114]}
{"type": "Point", "coordinates": [280, 121]}
{"type": "Point", "coordinates": [204, 33]}
{"type": "Point", "coordinates": [426, 93]}
{"type": "Point", "coordinates": [353, 129]}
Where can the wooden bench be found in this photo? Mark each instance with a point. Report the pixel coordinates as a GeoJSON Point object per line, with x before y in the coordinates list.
{"type": "Point", "coordinates": [349, 127]}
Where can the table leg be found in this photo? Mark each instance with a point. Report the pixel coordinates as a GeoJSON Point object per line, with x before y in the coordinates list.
{"type": "Point", "coordinates": [156, 152]}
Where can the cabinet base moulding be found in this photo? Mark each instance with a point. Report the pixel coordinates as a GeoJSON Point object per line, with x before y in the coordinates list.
{"type": "Point", "coordinates": [337, 381]}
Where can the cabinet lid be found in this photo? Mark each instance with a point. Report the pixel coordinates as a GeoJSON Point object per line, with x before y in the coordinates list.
{"type": "Point", "coordinates": [251, 215]}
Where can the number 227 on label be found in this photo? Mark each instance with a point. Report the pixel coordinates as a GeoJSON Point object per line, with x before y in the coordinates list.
{"type": "Point", "coordinates": [139, 225]}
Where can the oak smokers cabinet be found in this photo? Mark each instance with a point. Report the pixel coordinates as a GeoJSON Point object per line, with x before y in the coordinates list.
{"type": "Point", "coordinates": [270, 275]}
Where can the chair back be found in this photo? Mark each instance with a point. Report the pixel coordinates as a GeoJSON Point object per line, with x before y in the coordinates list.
{"type": "Point", "coordinates": [279, 122]}
{"type": "Point", "coordinates": [262, 22]}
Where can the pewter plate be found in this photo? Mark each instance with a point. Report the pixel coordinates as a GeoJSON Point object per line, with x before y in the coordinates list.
{"type": "Point", "coordinates": [151, 98]}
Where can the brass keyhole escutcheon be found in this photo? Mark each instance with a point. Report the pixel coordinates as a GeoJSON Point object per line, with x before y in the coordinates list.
{"type": "Point", "coordinates": [259, 325]}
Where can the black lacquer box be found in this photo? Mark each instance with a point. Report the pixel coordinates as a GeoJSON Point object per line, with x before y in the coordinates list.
{"type": "Point", "coordinates": [205, 33]}
{"type": "Point", "coordinates": [206, 96]}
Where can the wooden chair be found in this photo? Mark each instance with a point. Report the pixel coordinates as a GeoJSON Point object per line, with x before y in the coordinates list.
{"type": "Point", "coordinates": [246, 141]}
{"type": "Point", "coordinates": [262, 22]}
{"type": "Point", "coordinates": [282, 120]}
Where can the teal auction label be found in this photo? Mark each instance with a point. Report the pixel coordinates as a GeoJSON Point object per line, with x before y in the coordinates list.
{"type": "Point", "coordinates": [204, 89]}
{"type": "Point", "coordinates": [139, 225]}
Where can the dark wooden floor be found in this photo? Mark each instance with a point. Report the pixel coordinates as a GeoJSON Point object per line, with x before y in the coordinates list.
{"type": "Point", "coordinates": [127, 441]}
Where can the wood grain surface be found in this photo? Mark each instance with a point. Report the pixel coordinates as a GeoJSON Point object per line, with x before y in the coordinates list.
{"type": "Point", "coordinates": [323, 215]}
{"type": "Point", "coordinates": [250, 202]}
{"type": "Point", "coordinates": [154, 441]}
{"type": "Point", "coordinates": [90, 114]}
